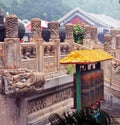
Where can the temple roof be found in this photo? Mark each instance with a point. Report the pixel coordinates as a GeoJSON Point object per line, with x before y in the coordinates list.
{"type": "Point", "coordinates": [90, 18]}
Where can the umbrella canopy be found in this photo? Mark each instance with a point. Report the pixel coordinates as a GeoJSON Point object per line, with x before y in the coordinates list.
{"type": "Point", "coordinates": [86, 57]}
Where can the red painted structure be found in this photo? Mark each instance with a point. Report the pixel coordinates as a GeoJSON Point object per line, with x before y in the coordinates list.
{"type": "Point", "coordinates": [77, 20]}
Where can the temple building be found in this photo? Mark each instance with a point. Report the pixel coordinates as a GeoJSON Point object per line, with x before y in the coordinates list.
{"type": "Point", "coordinates": [102, 22]}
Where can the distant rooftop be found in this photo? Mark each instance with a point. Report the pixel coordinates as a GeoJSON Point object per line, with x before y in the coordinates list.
{"type": "Point", "coordinates": [92, 19]}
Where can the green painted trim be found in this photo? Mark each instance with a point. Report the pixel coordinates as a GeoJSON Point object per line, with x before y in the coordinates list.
{"type": "Point", "coordinates": [78, 88]}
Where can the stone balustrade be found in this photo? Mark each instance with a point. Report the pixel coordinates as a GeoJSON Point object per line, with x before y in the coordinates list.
{"type": "Point", "coordinates": [39, 55]}
{"type": "Point", "coordinates": [33, 70]}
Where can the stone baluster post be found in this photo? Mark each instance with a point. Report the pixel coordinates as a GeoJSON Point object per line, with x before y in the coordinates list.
{"type": "Point", "coordinates": [87, 37]}
{"type": "Point", "coordinates": [113, 38]}
{"type": "Point", "coordinates": [118, 47]}
{"type": "Point", "coordinates": [54, 30]}
{"type": "Point", "coordinates": [69, 35]}
{"type": "Point", "coordinates": [94, 33]}
{"type": "Point", "coordinates": [107, 65]}
{"type": "Point", "coordinates": [114, 32]}
{"type": "Point", "coordinates": [35, 29]}
{"type": "Point", "coordinates": [36, 37]}
{"type": "Point", "coordinates": [54, 37]}
{"type": "Point", "coordinates": [69, 31]}
{"type": "Point", "coordinates": [107, 42]}
{"type": "Point", "coordinates": [117, 41]}
{"type": "Point", "coordinates": [12, 45]}
{"type": "Point", "coordinates": [8, 105]}
{"type": "Point", "coordinates": [87, 31]}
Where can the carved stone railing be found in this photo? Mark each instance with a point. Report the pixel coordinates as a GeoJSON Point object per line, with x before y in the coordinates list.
{"type": "Point", "coordinates": [112, 43]}
{"type": "Point", "coordinates": [117, 42]}
{"type": "Point", "coordinates": [79, 47]}
{"type": "Point", "coordinates": [111, 46]}
{"type": "Point", "coordinates": [114, 33]}
{"type": "Point", "coordinates": [28, 52]}
{"type": "Point", "coordinates": [42, 56]}
{"type": "Point", "coordinates": [11, 26]}
{"type": "Point", "coordinates": [2, 56]}
{"type": "Point", "coordinates": [99, 45]}
{"type": "Point", "coordinates": [90, 40]}
{"type": "Point", "coordinates": [35, 28]}
{"type": "Point", "coordinates": [87, 31]}
{"type": "Point", "coordinates": [116, 63]}
{"type": "Point", "coordinates": [50, 60]}
{"type": "Point", "coordinates": [27, 69]}
{"type": "Point", "coordinates": [65, 49]}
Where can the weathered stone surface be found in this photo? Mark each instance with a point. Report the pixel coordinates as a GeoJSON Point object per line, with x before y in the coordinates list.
{"type": "Point", "coordinates": [54, 30]}
{"type": "Point", "coordinates": [22, 82]}
{"type": "Point", "coordinates": [93, 32]}
{"type": "Point", "coordinates": [35, 28]}
{"type": "Point", "coordinates": [107, 42]}
{"type": "Point", "coordinates": [11, 26]}
{"type": "Point", "coordinates": [38, 95]}
{"type": "Point", "coordinates": [87, 31]}
{"type": "Point", "coordinates": [8, 111]}
{"type": "Point", "coordinates": [12, 53]}
{"type": "Point", "coordinates": [117, 41]}
{"type": "Point", "coordinates": [2, 56]}
{"type": "Point", "coordinates": [69, 31]}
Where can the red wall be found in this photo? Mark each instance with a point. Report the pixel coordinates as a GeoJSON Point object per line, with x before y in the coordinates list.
{"type": "Point", "coordinates": [77, 20]}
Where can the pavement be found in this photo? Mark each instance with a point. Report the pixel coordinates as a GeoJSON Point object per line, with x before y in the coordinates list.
{"type": "Point", "coordinates": [112, 101]}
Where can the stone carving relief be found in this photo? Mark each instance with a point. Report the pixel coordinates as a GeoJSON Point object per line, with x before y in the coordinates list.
{"type": "Point", "coordinates": [107, 42]}
{"type": "Point", "coordinates": [93, 32]}
{"type": "Point", "coordinates": [22, 82]}
{"type": "Point", "coordinates": [12, 52]}
{"type": "Point", "coordinates": [49, 50]}
{"type": "Point", "coordinates": [35, 27]}
{"type": "Point", "coordinates": [28, 52]}
{"type": "Point", "coordinates": [50, 57]}
{"type": "Point", "coordinates": [116, 64]}
{"type": "Point", "coordinates": [29, 64]}
{"type": "Point", "coordinates": [28, 56]}
{"type": "Point", "coordinates": [115, 32]}
{"type": "Point", "coordinates": [79, 47]}
{"type": "Point", "coordinates": [11, 26]}
{"type": "Point", "coordinates": [43, 102]}
{"type": "Point", "coordinates": [2, 56]}
{"type": "Point", "coordinates": [54, 33]}
{"type": "Point", "coordinates": [50, 64]}
{"type": "Point", "coordinates": [69, 31]}
{"type": "Point", "coordinates": [65, 49]}
{"type": "Point", "coordinates": [117, 41]}
{"type": "Point", "coordinates": [87, 31]}
{"type": "Point", "coordinates": [62, 95]}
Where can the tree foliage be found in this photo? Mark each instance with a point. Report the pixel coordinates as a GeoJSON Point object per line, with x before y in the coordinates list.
{"type": "Point", "coordinates": [47, 10]}
{"type": "Point", "coordinates": [54, 9]}
{"type": "Point", "coordinates": [78, 33]}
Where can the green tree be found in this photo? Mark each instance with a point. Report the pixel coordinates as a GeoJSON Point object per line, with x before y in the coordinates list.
{"type": "Point", "coordinates": [54, 9]}
{"type": "Point", "coordinates": [78, 34]}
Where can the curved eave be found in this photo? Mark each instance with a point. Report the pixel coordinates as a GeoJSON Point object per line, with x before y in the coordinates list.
{"type": "Point", "coordinates": [84, 63]}
{"type": "Point", "coordinates": [86, 57]}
